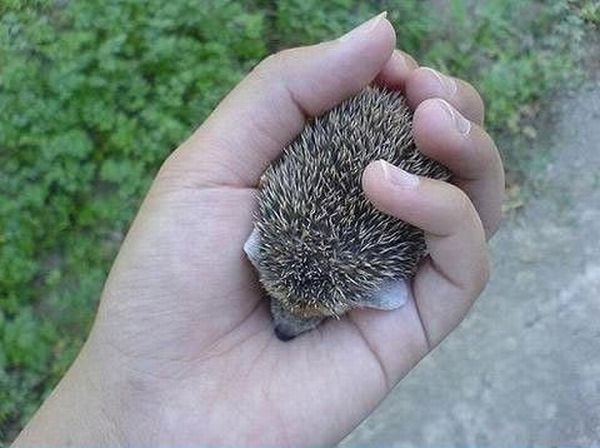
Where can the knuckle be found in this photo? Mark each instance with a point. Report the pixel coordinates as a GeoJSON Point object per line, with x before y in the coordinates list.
{"type": "Point", "coordinates": [464, 209]}
{"type": "Point", "coordinates": [474, 97]}
{"type": "Point", "coordinates": [483, 267]}
{"type": "Point", "coordinates": [485, 150]}
{"type": "Point", "coordinates": [496, 157]}
{"type": "Point", "coordinates": [488, 158]}
{"type": "Point", "coordinates": [466, 219]}
{"type": "Point", "coordinates": [275, 62]}
{"type": "Point", "coordinates": [481, 104]}
{"type": "Point", "coordinates": [267, 65]}
{"type": "Point", "coordinates": [456, 209]}
{"type": "Point", "coordinates": [477, 98]}
{"type": "Point", "coordinates": [409, 59]}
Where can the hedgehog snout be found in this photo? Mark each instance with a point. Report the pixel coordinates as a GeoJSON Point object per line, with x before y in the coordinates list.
{"type": "Point", "coordinates": [287, 325]}
{"type": "Point", "coordinates": [283, 334]}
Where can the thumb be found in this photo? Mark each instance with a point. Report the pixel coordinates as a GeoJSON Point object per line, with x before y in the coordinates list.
{"type": "Point", "coordinates": [270, 106]}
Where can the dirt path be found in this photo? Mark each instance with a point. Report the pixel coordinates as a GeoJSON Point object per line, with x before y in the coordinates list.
{"type": "Point", "coordinates": [524, 369]}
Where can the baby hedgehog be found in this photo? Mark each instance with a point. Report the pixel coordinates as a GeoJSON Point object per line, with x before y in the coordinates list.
{"type": "Point", "coordinates": [319, 246]}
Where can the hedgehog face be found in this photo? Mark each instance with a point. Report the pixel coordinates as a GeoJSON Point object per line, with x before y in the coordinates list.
{"type": "Point", "coordinates": [306, 283]}
{"type": "Point", "coordinates": [305, 286]}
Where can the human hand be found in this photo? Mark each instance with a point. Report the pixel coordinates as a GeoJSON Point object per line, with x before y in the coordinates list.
{"type": "Point", "coordinates": [182, 351]}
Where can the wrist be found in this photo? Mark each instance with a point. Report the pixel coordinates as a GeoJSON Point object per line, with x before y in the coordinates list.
{"type": "Point", "coordinates": [76, 413]}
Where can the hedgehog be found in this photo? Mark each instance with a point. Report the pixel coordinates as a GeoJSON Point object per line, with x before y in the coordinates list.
{"type": "Point", "coordinates": [319, 246]}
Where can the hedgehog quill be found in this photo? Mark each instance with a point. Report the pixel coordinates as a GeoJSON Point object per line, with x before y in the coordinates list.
{"type": "Point", "coordinates": [320, 247]}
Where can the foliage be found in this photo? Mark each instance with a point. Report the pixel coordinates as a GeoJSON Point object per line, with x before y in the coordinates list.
{"type": "Point", "coordinates": [94, 94]}
{"type": "Point", "coordinates": [590, 12]}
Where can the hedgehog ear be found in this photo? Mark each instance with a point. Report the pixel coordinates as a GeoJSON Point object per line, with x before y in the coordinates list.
{"type": "Point", "coordinates": [251, 247]}
{"type": "Point", "coordinates": [392, 295]}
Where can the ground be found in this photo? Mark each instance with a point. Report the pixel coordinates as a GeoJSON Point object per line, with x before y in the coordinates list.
{"type": "Point", "coordinates": [524, 368]}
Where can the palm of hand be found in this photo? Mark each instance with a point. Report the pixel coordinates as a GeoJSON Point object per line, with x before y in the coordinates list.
{"type": "Point", "coordinates": [202, 336]}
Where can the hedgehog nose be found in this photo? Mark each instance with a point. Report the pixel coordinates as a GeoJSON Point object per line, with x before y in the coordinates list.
{"type": "Point", "coordinates": [284, 334]}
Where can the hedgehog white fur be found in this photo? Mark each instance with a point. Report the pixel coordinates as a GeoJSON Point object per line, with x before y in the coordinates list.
{"type": "Point", "coordinates": [319, 246]}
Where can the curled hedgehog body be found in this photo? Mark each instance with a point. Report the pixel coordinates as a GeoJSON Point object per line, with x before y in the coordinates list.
{"type": "Point", "coordinates": [319, 246]}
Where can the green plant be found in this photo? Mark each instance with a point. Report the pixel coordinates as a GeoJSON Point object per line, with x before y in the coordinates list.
{"type": "Point", "coordinates": [590, 11]}
{"type": "Point", "coordinates": [93, 97]}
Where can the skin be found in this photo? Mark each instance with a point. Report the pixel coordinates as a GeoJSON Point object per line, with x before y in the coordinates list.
{"type": "Point", "coordinates": [183, 352]}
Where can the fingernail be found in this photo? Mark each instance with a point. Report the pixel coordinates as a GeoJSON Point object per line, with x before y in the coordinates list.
{"type": "Point", "coordinates": [398, 177]}
{"type": "Point", "coordinates": [462, 125]}
{"type": "Point", "coordinates": [447, 83]}
{"type": "Point", "coordinates": [364, 28]}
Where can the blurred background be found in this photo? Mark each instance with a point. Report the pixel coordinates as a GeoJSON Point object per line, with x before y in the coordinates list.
{"type": "Point", "coordinates": [94, 94]}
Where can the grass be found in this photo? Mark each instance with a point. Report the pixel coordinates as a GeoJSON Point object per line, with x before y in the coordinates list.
{"type": "Point", "coordinates": [94, 94]}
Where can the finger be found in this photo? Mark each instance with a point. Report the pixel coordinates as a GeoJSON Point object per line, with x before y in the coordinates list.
{"type": "Point", "coordinates": [424, 83]}
{"type": "Point", "coordinates": [396, 71]}
{"type": "Point", "coordinates": [457, 267]}
{"type": "Point", "coordinates": [269, 107]}
{"type": "Point", "coordinates": [444, 134]}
